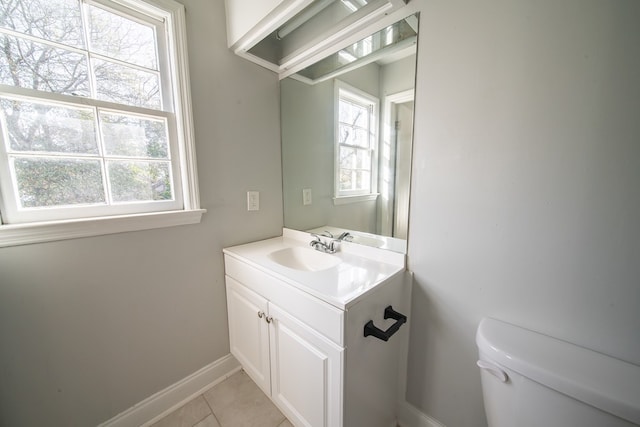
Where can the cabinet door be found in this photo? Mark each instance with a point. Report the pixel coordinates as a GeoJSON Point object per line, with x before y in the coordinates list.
{"type": "Point", "coordinates": [306, 372]}
{"type": "Point", "coordinates": [249, 332]}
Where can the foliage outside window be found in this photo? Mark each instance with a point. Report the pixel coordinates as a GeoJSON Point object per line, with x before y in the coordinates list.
{"type": "Point", "coordinates": [356, 142]}
{"type": "Point", "coordinates": [94, 116]}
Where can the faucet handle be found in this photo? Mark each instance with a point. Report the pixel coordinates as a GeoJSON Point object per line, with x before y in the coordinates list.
{"type": "Point", "coordinates": [345, 236]}
{"type": "Point", "coordinates": [317, 242]}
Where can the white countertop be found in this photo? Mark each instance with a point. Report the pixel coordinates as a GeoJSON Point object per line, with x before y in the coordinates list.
{"type": "Point", "coordinates": [369, 239]}
{"type": "Point", "coordinates": [361, 268]}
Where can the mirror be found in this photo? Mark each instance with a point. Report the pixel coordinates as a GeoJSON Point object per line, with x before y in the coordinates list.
{"type": "Point", "coordinates": [347, 124]}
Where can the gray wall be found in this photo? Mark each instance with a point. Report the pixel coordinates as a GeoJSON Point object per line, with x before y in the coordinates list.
{"type": "Point", "coordinates": [89, 327]}
{"type": "Point", "coordinates": [398, 76]}
{"type": "Point", "coordinates": [525, 198]}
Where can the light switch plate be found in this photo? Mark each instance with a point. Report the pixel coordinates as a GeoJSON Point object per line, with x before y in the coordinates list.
{"type": "Point", "coordinates": [253, 200]}
{"type": "Point", "coordinates": [306, 196]}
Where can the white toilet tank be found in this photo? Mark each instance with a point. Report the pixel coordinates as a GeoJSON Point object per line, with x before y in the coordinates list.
{"type": "Point", "coordinates": [533, 380]}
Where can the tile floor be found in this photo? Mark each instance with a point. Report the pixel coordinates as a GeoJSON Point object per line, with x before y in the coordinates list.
{"type": "Point", "coordinates": [235, 402]}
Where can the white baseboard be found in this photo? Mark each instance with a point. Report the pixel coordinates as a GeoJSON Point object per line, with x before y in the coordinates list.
{"type": "Point", "coordinates": [171, 398]}
{"type": "Point", "coordinates": [410, 416]}
{"type": "Point", "coordinates": [164, 402]}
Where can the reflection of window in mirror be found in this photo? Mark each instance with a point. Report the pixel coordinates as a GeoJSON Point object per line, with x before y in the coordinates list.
{"type": "Point", "coordinates": [356, 143]}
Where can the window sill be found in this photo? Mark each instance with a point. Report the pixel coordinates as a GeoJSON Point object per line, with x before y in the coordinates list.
{"type": "Point", "coordinates": [24, 234]}
{"type": "Point", "coordinates": [343, 200]}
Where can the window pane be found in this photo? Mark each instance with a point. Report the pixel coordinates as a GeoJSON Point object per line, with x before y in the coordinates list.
{"type": "Point", "coordinates": [126, 85]}
{"type": "Point", "coordinates": [134, 136]}
{"type": "Point", "coordinates": [121, 38]}
{"type": "Point", "coordinates": [346, 180]}
{"type": "Point", "coordinates": [353, 114]}
{"type": "Point", "coordinates": [347, 157]}
{"type": "Point", "coordinates": [363, 159]}
{"type": "Point", "coordinates": [33, 126]}
{"type": "Point", "coordinates": [46, 182]}
{"type": "Point", "coordinates": [344, 134]}
{"type": "Point", "coordinates": [360, 138]}
{"type": "Point", "coordinates": [345, 112]}
{"type": "Point", "coordinates": [363, 180]}
{"type": "Point", "coordinates": [361, 117]}
{"type": "Point", "coordinates": [27, 64]}
{"type": "Point", "coordinates": [354, 136]}
{"type": "Point", "coordinates": [53, 20]}
{"type": "Point", "coordinates": [140, 181]}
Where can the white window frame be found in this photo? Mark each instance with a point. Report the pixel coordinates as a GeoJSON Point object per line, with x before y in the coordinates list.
{"type": "Point", "coordinates": [344, 90]}
{"type": "Point", "coordinates": [188, 210]}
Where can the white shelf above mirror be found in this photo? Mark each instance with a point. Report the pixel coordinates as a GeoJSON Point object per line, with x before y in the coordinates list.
{"type": "Point", "coordinates": [286, 36]}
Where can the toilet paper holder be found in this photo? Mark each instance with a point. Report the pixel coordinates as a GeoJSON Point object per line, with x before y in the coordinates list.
{"type": "Point", "coordinates": [389, 313]}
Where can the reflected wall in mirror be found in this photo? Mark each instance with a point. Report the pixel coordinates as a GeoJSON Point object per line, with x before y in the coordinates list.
{"type": "Point", "coordinates": [347, 125]}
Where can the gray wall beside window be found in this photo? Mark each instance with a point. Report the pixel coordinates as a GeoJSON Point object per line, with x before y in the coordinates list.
{"type": "Point", "coordinates": [90, 327]}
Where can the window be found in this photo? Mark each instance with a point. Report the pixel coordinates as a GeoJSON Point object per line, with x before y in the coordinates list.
{"type": "Point", "coordinates": [356, 144]}
{"type": "Point", "coordinates": [95, 118]}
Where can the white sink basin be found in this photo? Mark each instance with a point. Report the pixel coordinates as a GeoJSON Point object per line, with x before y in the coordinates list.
{"type": "Point", "coordinates": [304, 259]}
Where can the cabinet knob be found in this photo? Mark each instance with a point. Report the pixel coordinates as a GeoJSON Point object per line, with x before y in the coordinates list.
{"type": "Point", "coordinates": [268, 319]}
{"type": "Point", "coordinates": [260, 314]}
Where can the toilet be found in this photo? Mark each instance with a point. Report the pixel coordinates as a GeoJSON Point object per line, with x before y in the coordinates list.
{"type": "Point", "coordinates": [533, 380]}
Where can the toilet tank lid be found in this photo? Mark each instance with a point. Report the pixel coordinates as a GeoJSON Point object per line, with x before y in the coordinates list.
{"type": "Point", "coordinates": [602, 381]}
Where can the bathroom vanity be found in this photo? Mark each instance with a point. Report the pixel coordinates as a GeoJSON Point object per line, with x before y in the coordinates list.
{"type": "Point", "coordinates": [323, 335]}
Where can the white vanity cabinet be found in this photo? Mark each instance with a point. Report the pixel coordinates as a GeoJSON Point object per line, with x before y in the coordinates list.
{"type": "Point", "coordinates": [292, 363]}
{"type": "Point", "coordinates": [310, 355]}
{"type": "Point", "coordinates": [249, 332]}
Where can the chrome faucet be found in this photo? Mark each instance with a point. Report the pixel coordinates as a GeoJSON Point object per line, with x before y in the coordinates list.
{"type": "Point", "coordinates": [346, 236]}
{"type": "Point", "coordinates": [319, 245]}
